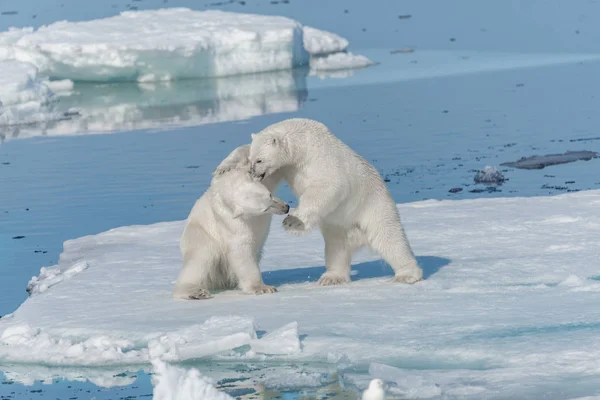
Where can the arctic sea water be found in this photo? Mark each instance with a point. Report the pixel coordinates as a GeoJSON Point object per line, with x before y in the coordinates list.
{"type": "Point", "coordinates": [487, 83]}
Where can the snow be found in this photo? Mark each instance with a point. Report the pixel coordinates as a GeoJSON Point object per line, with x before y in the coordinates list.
{"type": "Point", "coordinates": [168, 44]}
{"type": "Point", "coordinates": [175, 383]}
{"type": "Point", "coordinates": [51, 276]}
{"type": "Point", "coordinates": [508, 304]}
{"type": "Point", "coordinates": [24, 95]}
{"type": "Point", "coordinates": [319, 43]}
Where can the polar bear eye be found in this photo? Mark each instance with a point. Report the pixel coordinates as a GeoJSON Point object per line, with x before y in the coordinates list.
{"type": "Point", "coordinates": [258, 161]}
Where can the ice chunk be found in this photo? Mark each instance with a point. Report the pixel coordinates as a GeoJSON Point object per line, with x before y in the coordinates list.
{"type": "Point", "coordinates": [216, 335]}
{"type": "Point", "coordinates": [176, 383]}
{"type": "Point", "coordinates": [540, 162]}
{"type": "Point", "coordinates": [489, 175]}
{"type": "Point", "coordinates": [318, 42]}
{"type": "Point", "coordinates": [167, 44]}
{"type": "Point", "coordinates": [51, 276]}
{"type": "Point", "coordinates": [339, 61]}
{"type": "Point", "coordinates": [160, 44]}
{"type": "Point", "coordinates": [281, 341]}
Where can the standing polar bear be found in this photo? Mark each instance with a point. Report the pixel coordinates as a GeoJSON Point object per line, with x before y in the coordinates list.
{"type": "Point", "coordinates": [338, 191]}
{"type": "Point", "coordinates": [226, 230]}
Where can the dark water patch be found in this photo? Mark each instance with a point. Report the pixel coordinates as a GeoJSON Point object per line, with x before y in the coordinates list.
{"type": "Point", "coordinates": [9, 13]}
{"type": "Point", "coordinates": [540, 162]}
{"type": "Point", "coordinates": [585, 139]}
{"type": "Point", "coordinates": [18, 237]}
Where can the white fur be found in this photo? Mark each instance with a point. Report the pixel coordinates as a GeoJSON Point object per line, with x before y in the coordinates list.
{"type": "Point", "coordinates": [338, 191]}
{"type": "Point", "coordinates": [226, 230]}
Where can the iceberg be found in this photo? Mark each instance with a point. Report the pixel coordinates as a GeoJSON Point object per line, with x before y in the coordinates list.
{"type": "Point", "coordinates": [168, 44]}
{"type": "Point", "coordinates": [478, 323]}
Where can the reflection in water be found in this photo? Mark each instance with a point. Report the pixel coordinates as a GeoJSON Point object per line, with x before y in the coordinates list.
{"type": "Point", "coordinates": [269, 380]}
{"type": "Point", "coordinates": [104, 108]}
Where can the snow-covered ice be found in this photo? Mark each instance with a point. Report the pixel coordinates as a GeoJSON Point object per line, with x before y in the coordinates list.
{"type": "Point", "coordinates": [508, 304]}
{"type": "Point", "coordinates": [51, 276]}
{"type": "Point", "coordinates": [167, 44]}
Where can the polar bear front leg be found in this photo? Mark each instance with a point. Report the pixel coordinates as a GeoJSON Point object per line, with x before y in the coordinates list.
{"type": "Point", "coordinates": [243, 263]}
{"type": "Point", "coordinates": [315, 203]}
{"type": "Point", "coordinates": [338, 256]}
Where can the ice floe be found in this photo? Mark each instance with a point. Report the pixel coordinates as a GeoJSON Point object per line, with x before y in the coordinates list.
{"type": "Point", "coordinates": [509, 300]}
{"type": "Point", "coordinates": [168, 44]}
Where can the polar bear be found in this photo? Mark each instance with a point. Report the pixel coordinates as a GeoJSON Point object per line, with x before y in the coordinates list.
{"type": "Point", "coordinates": [225, 232]}
{"type": "Point", "coordinates": [338, 191]}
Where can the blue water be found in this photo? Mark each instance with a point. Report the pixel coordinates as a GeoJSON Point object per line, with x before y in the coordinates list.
{"type": "Point", "coordinates": [519, 79]}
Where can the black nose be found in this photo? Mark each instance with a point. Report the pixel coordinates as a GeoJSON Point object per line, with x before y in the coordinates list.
{"type": "Point", "coordinates": [286, 209]}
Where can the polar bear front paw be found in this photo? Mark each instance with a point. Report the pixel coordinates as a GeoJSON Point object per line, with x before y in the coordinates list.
{"type": "Point", "coordinates": [293, 224]}
{"type": "Point", "coordinates": [410, 276]}
{"type": "Point", "coordinates": [199, 294]}
{"type": "Point", "coordinates": [329, 279]}
{"type": "Point", "coordinates": [265, 289]}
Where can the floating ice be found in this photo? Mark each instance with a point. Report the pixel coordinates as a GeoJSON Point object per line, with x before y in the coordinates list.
{"type": "Point", "coordinates": [175, 383]}
{"type": "Point", "coordinates": [24, 96]}
{"type": "Point", "coordinates": [339, 61]}
{"type": "Point", "coordinates": [540, 162]}
{"type": "Point", "coordinates": [478, 325]}
{"type": "Point", "coordinates": [167, 44]}
{"type": "Point", "coordinates": [489, 175]}
{"type": "Point", "coordinates": [320, 43]}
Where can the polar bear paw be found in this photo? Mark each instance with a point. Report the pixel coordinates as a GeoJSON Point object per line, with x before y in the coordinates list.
{"type": "Point", "coordinates": [199, 294]}
{"type": "Point", "coordinates": [330, 279]}
{"type": "Point", "coordinates": [265, 289]}
{"type": "Point", "coordinates": [294, 225]}
{"type": "Point", "coordinates": [409, 276]}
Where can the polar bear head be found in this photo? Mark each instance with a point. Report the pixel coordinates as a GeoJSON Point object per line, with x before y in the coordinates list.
{"type": "Point", "coordinates": [240, 191]}
{"type": "Point", "coordinates": [253, 199]}
{"type": "Point", "coordinates": [268, 153]}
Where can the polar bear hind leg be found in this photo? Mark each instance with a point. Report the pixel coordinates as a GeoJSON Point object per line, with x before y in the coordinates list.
{"type": "Point", "coordinates": [201, 270]}
{"type": "Point", "coordinates": [338, 255]}
{"type": "Point", "coordinates": [387, 237]}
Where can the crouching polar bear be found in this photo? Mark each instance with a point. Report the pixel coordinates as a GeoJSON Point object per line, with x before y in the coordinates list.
{"type": "Point", "coordinates": [225, 232]}
{"type": "Point", "coordinates": [338, 191]}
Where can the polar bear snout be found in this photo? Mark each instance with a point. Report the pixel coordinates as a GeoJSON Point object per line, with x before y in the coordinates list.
{"type": "Point", "coordinates": [279, 207]}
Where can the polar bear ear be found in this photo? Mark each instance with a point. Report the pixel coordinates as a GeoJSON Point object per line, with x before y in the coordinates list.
{"type": "Point", "coordinates": [252, 136]}
{"type": "Point", "coordinates": [236, 158]}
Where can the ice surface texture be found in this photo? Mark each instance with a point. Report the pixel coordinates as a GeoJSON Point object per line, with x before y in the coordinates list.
{"type": "Point", "coordinates": [167, 44]}
{"type": "Point", "coordinates": [479, 322]}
